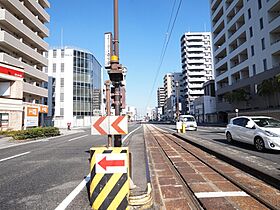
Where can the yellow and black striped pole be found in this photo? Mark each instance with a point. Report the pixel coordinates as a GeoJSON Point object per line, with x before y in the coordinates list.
{"type": "Point", "coordinates": [109, 179]}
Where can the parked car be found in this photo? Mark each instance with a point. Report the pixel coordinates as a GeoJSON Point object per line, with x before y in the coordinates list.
{"type": "Point", "coordinates": [189, 122]}
{"type": "Point", "coordinates": [263, 132]}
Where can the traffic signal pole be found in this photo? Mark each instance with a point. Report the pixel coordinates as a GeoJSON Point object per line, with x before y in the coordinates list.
{"type": "Point", "coordinates": [116, 70]}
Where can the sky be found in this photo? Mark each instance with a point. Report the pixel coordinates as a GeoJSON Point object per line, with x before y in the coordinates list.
{"type": "Point", "coordinates": [143, 31]}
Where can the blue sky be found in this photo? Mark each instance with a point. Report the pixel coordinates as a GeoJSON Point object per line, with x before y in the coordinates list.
{"type": "Point", "coordinates": [142, 29]}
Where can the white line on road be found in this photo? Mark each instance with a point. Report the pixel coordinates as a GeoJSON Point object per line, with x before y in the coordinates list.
{"type": "Point", "coordinates": [220, 194]}
{"type": "Point", "coordinates": [15, 156]}
{"type": "Point", "coordinates": [77, 138]}
{"type": "Point", "coordinates": [130, 133]}
{"type": "Point", "coordinates": [73, 194]}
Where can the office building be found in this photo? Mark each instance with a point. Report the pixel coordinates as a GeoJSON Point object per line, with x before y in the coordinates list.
{"type": "Point", "coordinates": [246, 54]}
{"type": "Point", "coordinates": [22, 45]}
{"type": "Point", "coordinates": [75, 86]}
{"type": "Point", "coordinates": [197, 65]}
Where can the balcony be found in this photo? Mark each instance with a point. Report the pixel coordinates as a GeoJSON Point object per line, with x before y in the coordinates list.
{"type": "Point", "coordinates": [194, 61]}
{"type": "Point", "coordinates": [195, 67]}
{"type": "Point", "coordinates": [29, 70]}
{"type": "Point", "coordinates": [13, 44]}
{"type": "Point", "coordinates": [14, 24]}
{"type": "Point", "coordinates": [24, 14]}
{"type": "Point", "coordinates": [37, 9]}
{"type": "Point", "coordinates": [35, 90]}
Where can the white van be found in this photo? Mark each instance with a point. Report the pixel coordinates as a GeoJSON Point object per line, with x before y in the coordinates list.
{"type": "Point", "coordinates": [189, 121]}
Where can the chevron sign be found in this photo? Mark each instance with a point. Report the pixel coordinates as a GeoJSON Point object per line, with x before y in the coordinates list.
{"type": "Point", "coordinates": [106, 125]}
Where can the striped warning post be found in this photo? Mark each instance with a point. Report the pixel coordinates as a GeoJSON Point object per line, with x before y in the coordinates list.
{"type": "Point", "coordinates": [109, 183]}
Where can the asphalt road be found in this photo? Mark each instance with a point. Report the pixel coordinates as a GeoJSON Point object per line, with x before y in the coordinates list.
{"type": "Point", "coordinates": [42, 174]}
{"type": "Point", "coordinates": [217, 135]}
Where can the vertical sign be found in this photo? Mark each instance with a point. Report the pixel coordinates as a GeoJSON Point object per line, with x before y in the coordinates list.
{"type": "Point", "coordinates": [108, 47]}
{"type": "Point", "coordinates": [31, 119]}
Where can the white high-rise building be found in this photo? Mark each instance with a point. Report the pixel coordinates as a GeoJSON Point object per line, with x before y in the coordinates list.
{"type": "Point", "coordinates": [74, 87]}
{"type": "Point", "coordinates": [246, 45]}
{"type": "Point", "coordinates": [197, 65]}
{"type": "Point", "coordinates": [22, 44]}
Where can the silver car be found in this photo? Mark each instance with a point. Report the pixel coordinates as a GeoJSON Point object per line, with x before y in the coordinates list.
{"type": "Point", "coordinates": [263, 132]}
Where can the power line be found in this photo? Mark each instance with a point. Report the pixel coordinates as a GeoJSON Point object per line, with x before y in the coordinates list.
{"type": "Point", "coordinates": [165, 45]}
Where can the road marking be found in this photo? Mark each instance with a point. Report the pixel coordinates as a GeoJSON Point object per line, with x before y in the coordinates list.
{"type": "Point", "coordinates": [73, 194]}
{"type": "Point", "coordinates": [79, 137]}
{"type": "Point", "coordinates": [130, 133]}
{"type": "Point", "coordinates": [15, 156]}
{"type": "Point", "coordinates": [220, 194]}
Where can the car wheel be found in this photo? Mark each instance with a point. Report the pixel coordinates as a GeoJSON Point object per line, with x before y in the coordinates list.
{"type": "Point", "coordinates": [229, 137]}
{"type": "Point", "coordinates": [259, 144]}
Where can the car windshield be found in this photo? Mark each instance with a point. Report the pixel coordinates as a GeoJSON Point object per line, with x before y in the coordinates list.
{"type": "Point", "coordinates": [267, 122]}
{"type": "Point", "coordinates": [188, 119]}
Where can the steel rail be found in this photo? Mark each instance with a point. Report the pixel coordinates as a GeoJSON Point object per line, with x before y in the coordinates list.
{"type": "Point", "coordinates": [241, 186]}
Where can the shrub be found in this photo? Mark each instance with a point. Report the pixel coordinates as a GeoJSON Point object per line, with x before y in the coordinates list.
{"type": "Point", "coordinates": [34, 133]}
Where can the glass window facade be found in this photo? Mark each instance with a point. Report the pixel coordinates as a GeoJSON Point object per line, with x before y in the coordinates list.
{"type": "Point", "coordinates": [86, 78]}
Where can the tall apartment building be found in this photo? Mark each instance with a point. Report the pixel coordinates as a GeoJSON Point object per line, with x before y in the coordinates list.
{"type": "Point", "coordinates": [74, 88]}
{"type": "Point", "coordinates": [160, 102]}
{"type": "Point", "coordinates": [197, 65]}
{"type": "Point", "coordinates": [170, 92]}
{"type": "Point", "coordinates": [246, 47]}
{"type": "Point", "coordinates": [22, 45]}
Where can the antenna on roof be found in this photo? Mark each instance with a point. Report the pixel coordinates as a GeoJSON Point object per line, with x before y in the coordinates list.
{"type": "Point", "coordinates": [61, 38]}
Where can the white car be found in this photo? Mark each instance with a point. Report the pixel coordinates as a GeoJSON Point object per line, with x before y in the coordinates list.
{"type": "Point", "coordinates": [189, 122]}
{"type": "Point", "coordinates": [263, 132]}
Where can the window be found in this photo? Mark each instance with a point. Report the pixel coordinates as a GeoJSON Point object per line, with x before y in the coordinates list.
{"type": "Point", "coordinates": [260, 4]}
{"type": "Point", "coordinates": [54, 53]}
{"type": "Point", "coordinates": [240, 122]}
{"type": "Point", "coordinates": [252, 50]}
{"type": "Point", "coordinates": [4, 119]}
{"type": "Point", "coordinates": [261, 23]}
{"type": "Point", "coordinates": [54, 67]}
{"type": "Point", "coordinates": [264, 64]}
{"type": "Point", "coordinates": [254, 69]}
{"type": "Point", "coordinates": [251, 31]}
{"type": "Point", "coordinates": [263, 44]}
{"type": "Point", "coordinates": [61, 97]}
{"type": "Point", "coordinates": [61, 82]}
{"type": "Point", "coordinates": [249, 14]}
{"type": "Point", "coordinates": [62, 53]}
{"type": "Point", "coordinates": [62, 67]}
{"type": "Point", "coordinates": [61, 111]}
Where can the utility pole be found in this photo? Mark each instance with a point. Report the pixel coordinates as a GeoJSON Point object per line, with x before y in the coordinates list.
{"type": "Point", "coordinates": [177, 101]}
{"type": "Point", "coordinates": [116, 71]}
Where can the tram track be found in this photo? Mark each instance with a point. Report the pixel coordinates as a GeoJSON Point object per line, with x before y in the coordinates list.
{"type": "Point", "coordinates": [210, 182]}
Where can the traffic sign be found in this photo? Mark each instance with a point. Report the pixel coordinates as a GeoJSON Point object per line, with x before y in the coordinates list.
{"type": "Point", "coordinates": [106, 125]}
{"type": "Point", "coordinates": [111, 163]}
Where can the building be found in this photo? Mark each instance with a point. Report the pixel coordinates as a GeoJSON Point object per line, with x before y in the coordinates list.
{"type": "Point", "coordinates": [160, 102]}
{"type": "Point", "coordinates": [246, 54]}
{"type": "Point", "coordinates": [131, 113]}
{"type": "Point", "coordinates": [11, 91]}
{"type": "Point", "coordinates": [75, 86]}
{"type": "Point", "coordinates": [197, 65]}
{"type": "Point", "coordinates": [22, 45]}
{"type": "Point", "coordinates": [205, 106]}
{"type": "Point", "coordinates": [171, 92]}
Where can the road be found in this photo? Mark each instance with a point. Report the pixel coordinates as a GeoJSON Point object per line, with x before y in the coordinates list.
{"type": "Point", "coordinates": [40, 175]}
{"type": "Point", "coordinates": [217, 135]}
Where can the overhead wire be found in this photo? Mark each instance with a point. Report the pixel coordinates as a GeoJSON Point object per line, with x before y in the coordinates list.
{"type": "Point", "coordinates": [165, 45]}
